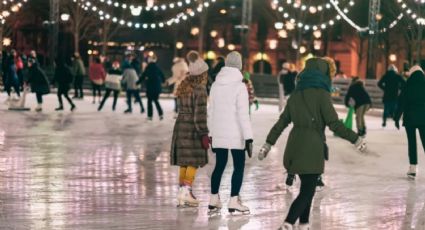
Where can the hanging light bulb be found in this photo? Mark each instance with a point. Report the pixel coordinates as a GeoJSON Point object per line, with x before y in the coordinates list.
{"type": "Point", "coordinates": [136, 11]}
{"type": "Point", "coordinates": [317, 34]}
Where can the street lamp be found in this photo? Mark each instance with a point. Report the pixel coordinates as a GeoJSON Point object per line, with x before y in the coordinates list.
{"type": "Point", "coordinates": [65, 17]}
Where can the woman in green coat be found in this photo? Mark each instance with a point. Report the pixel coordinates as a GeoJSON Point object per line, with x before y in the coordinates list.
{"type": "Point", "coordinates": [310, 109]}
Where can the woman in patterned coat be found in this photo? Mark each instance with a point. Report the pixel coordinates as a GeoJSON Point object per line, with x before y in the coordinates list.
{"type": "Point", "coordinates": [190, 136]}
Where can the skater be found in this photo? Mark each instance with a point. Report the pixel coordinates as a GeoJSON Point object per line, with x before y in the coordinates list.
{"type": "Point", "coordinates": [310, 109]}
{"type": "Point", "coordinates": [64, 78]}
{"type": "Point", "coordinates": [391, 83]}
{"type": "Point", "coordinates": [79, 72]}
{"type": "Point", "coordinates": [190, 136]}
{"type": "Point", "coordinates": [251, 91]}
{"type": "Point", "coordinates": [286, 80]}
{"type": "Point", "coordinates": [219, 63]}
{"type": "Point", "coordinates": [112, 85]}
{"type": "Point", "coordinates": [19, 68]}
{"type": "Point", "coordinates": [11, 76]}
{"type": "Point", "coordinates": [362, 103]}
{"type": "Point", "coordinates": [154, 78]}
{"type": "Point", "coordinates": [230, 130]}
{"type": "Point", "coordinates": [97, 76]}
{"type": "Point", "coordinates": [129, 80]}
{"type": "Point", "coordinates": [38, 81]}
{"type": "Point", "coordinates": [180, 71]}
{"type": "Point", "coordinates": [411, 105]}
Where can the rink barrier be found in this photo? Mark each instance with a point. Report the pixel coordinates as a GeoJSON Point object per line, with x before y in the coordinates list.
{"type": "Point", "coordinates": [266, 86]}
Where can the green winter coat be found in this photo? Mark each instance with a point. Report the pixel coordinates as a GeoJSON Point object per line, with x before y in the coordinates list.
{"type": "Point", "coordinates": [304, 153]}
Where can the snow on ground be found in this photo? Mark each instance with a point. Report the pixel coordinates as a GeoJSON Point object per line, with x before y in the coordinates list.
{"type": "Point", "coordinates": [107, 170]}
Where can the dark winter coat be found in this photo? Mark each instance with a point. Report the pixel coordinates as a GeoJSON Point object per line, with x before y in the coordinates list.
{"type": "Point", "coordinates": [153, 77]}
{"type": "Point", "coordinates": [63, 77]}
{"type": "Point", "coordinates": [190, 126]}
{"type": "Point", "coordinates": [391, 83]}
{"type": "Point", "coordinates": [358, 92]}
{"type": "Point", "coordinates": [38, 80]}
{"type": "Point", "coordinates": [288, 82]}
{"type": "Point", "coordinates": [304, 153]}
{"type": "Point", "coordinates": [411, 103]}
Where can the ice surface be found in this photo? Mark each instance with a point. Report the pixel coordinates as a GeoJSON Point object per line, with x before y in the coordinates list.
{"type": "Point", "coordinates": [105, 170]}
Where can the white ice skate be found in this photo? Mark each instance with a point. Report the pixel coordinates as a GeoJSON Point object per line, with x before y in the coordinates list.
{"type": "Point", "coordinates": [411, 174]}
{"type": "Point", "coordinates": [304, 227]}
{"type": "Point", "coordinates": [286, 226]}
{"type": "Point", "coordinates": [187, 198]}
{"type": "Point", "coordinates": [180, 197]}
{"type": "Point", "coordinates": [214, 206]}
{"type": "Point", "coordinates": [235, 205]}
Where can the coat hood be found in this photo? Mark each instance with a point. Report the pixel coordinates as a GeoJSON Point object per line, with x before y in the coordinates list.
{"type": "Point", "coordinates": [229, 75]}
{"type": "Point", "coordinates": [315, 75]}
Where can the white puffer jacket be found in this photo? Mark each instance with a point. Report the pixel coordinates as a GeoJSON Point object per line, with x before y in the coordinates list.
{"type": "Point", "coordinates": [228, 111]}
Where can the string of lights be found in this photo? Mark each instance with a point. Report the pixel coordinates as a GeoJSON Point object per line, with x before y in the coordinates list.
{"type": "Point", "coordinates": [312, 9]}
{"type": "Point", "coordinates": [419, 20]}
{"type": "Point", "coordinates": [182, 16]}
{"type": "Point", "coordinates": [12, 9]}
{"type": "Point", "coordinates": [137, 9]}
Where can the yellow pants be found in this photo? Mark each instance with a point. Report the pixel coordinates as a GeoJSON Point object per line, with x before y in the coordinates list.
{"type": "Point", "coordinates": [187, 175]}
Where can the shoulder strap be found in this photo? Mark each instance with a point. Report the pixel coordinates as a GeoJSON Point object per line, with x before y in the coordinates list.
{"type": "Point", "coordinates": [313, 120]}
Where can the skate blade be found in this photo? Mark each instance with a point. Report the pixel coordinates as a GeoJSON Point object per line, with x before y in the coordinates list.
{"type": "Point", "coordinates": [411, 177]}
{"type": "Point", "coordinates": [235, 212]}
{"type": "Point", "coordinates": [319, 188]}
{"type": "Point", "coordinates": [213, 213]}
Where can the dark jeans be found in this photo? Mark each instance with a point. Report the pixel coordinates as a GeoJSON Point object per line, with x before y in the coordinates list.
{"type": "Point", "coordinates": [39, 97]}
{"type": "Point", "coordinates": [220, 165]}
{"type": "Point", "coordinates": [150, 106]}
{"type": "Point", "coordinates": [389, 110]}
{"type": "Point", "coordinates": [411, 139]}
{"type": "Point", "coordinates": [107, 93]}
{"type": "Point", "coordinates": [98, 89]}
{"type": "Point", "coordinates": [300, 208]}
{"type": "Point", "coordinates": [9, 83]}
{"type": "Point", "coordinates": [78, 86]}
{"type": "Point", "coordinates": [20, 79]}
{"type": "Point", "coordinates": [176, 105]}
{"type": "Point", "coordinates": [64, 92]}
{"type": "Point", "coordinates": [136, 95]}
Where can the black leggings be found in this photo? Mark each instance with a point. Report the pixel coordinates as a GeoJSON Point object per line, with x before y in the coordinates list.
{"type": "Point", "coordinates": [150, 106]}
{"type": "Point", "coordinates": [411, 139]}
{"type": "Point", "coordinates": [300, 208]}
{"type": "Point", "coordinates": [220, 165]}
{"type": "Point", "coordinates": [98, 89]}
{"type": "Point", "coordinates": [64, 92]}
{"type": "Point", "coordinates": [39, 97]}
{"type": "Point", "coordinates": [107, 93]}
{"type": "Point", "coordinates": [78, 86]}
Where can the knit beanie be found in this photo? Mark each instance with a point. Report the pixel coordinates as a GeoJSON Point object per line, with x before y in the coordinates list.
{"type": "Point", "coordinates": [234, 59]}
{"type": "Point", "coordinates": [392, 68]}
{"type": "Point", "coordinates": [197, 66]}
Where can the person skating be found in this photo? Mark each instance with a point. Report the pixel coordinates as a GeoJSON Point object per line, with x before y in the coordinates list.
{"type": "Point", "coordinates": [362, 103]}
{"type": "Point", "coordinates": [310, 109]}
{"type": "Point", "coordinates": [411, 105]}
{"type": "Point", "coordinates": [391, 83]}
{"type": "Point", "coordinates": [38, 82]}
{"type": "Point", "coordinates": [79, 72]}
{"type": "Point", "coordinates": [64, 78]}
{"type": "Point", "coordinates": [97, 76]}
{"type": "Point", "coordinates": [11, 76]}
{"type": "Point", "coordinates": [112, 85]}
{"type": "Point", "coordinates": [154, 78]}
{"type": "Point", "coordinates": [179, 71]}
{"type": "Point", "coordinates": [251, 92]}
{"type": "Point", "coordinates": [230, 130]}
{"type": "Point", "coordinates": [19, 64]}
{"type": "Point", "coordinates": [190, 140]}
{"type": "Point", "coordinates": [129, 80]}
{"type": "Point", "coordinates": [286, 80]}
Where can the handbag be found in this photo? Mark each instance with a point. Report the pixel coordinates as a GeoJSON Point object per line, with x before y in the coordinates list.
{"type": "Point", "coordinates": [317, 128]}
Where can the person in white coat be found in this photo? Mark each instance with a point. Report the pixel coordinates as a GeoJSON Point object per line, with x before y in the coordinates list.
{"type": "Point", "coordinates": [180, 71]}
{"type": "Point", "coordinates": [230, 129]}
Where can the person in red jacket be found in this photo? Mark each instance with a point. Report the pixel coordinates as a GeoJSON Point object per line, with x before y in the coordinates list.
{"type": "Point", "coordinates": [97, 76]}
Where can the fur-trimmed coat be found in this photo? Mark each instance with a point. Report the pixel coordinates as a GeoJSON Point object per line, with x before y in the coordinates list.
{"type": "Point", "coordinates": [190, 126]}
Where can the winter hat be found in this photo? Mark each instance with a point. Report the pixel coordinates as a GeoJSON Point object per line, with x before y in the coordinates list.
{"type": "Point", "coordinates": [414, 69]}
{"type": "Point", "coordinates": [234, 59]}
{"type": "Point", "coordinates": [197, 66]}
{"type": "Point", "coordinates": [176, 59]}
{"type": "Point", "coordinates": [392, 68]}
{"type": "Point", "coordinates": [286, 65]}
{"type": "Point", "coordinates": [152, 58]}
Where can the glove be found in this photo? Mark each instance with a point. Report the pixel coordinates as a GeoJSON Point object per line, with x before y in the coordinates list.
{"type": "Point", "coordinates": [205, 141]}
{"type": "Point", "coordinates": [264, 151]}
{"type": "Point", "coordinates": [361, 145]}
{"type": "Point", "coordinates": [397, 124]}
{"type": "Point", "coordinates": [248, 147]}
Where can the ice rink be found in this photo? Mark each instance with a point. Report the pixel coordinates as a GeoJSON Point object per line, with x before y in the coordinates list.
{"type": "Point", "coordinates": [105, 170]}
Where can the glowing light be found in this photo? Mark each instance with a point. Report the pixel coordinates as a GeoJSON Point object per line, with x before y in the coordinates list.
{"type": "Point", "coordinates": [393, 57]}
{"type": "Point", "coordinates": [213, 33]}
{"type": "Point", "coordinates": [221, 43]}
{"type": "Point", "coordinates": [273, 44]}
{"type": "Point", "coordinates": [179, 45]}
{"type": "Point", "coordinates": [65, 17]}
{"type": "Point", "coordinates": [7, 41]}
{"type": "Point", "coordinates": [194, 31]}
{"type": "Point", "coordinates": [231, 47]}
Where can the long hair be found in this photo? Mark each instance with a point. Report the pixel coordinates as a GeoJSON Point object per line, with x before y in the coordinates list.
{"type": "Point", "coordinates": [190, 82]}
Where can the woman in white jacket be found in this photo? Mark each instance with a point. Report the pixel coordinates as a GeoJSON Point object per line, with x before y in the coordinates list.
{"type": "Point", "coordinates": [230, 129]}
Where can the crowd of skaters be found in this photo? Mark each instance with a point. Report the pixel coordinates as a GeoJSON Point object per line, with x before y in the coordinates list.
{"type": "Point", "coordinates": [224, 125]}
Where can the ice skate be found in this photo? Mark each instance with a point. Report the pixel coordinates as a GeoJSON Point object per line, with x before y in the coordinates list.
{"type": "Point", "coordinates": [180, 202]}
{"type": "Point", "coordinates": [411, 174]}
{"type": "Point", "coordinates": [320, 184]}
{"type": "Point", "coordinates": [187, 198]}
{"type": "Point", "coordinates": [60, 108]}
{"type": "Point", "coordinates": [236, 206]}
{"type": "Point", "coordinates": [286, 226]}
{"type": "Point", "coordinates": [73, 108]}
{"type": "Point", "coordinates": [38, 108]}
{"type": "Point", "coordinates": [214, 206]}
